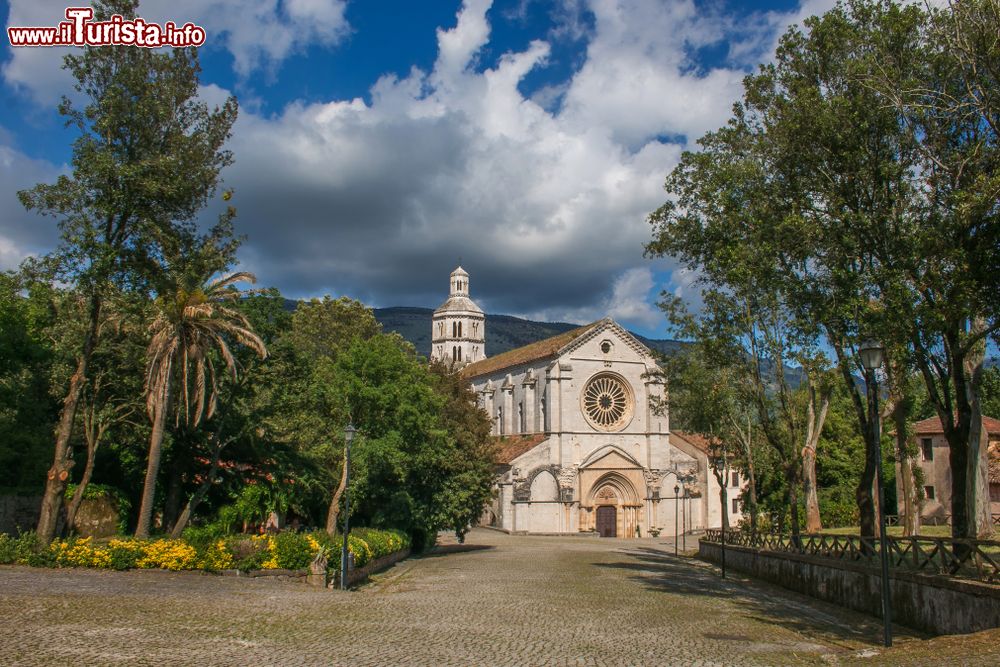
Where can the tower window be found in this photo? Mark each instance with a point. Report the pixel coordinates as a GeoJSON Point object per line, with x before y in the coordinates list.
{"type": "Point", "coordinates": [459, 329]}
{"type": "Point", "coordinates": [459, 353]}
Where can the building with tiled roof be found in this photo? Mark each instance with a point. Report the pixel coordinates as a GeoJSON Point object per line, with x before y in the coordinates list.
{"type": "Point", "coordinates": [933, 459]}
{"type": "Point", "coordinates": [584, 438]}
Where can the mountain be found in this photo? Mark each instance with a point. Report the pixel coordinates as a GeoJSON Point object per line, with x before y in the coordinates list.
{"type": "Point", "coordinates": [503, 332]}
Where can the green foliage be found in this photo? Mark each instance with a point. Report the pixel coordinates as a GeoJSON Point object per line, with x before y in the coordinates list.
{"type": "Point", "coordinates": [125, 554]}
{"type": "Point", "coordinates": [248, 553]}
{"type": "Point", "coordinates": [292, 551]}
{"type": "Point", "coordinates": [18, 549]}
{"type": "Point", "coordinates": [27, 358]}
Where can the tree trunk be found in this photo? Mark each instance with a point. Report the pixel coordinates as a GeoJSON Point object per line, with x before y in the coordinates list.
{"type": "Point", "coordinates": [863, 493]}
{"type": "Point", "coordinates": [900, 409]}
{"type": "Point", "coordinates": [74, 504]}
{"type": "Point", "coordinates": [814, 428]}
{"type": "Point", "coordinates": [196, 498]}
{"type": "Point", "coordinates": [978, 489]}
{"type": "Point", "coordinates": [175, 489]}
{"type": "Point", "coordinates": [792, 478]}
{"type": "Point", "coordinates": [58, 474]}
{"type": "Point", "coordinates": [331, 515]}
{"type": "Point", "coordinates": [752, 482]}
{"type": "Point", "coordinates": [153, 466]}
{"type": "Point", "coordinates": [723, 498]}
{"type": "Point", "coordinates": [814, 523]}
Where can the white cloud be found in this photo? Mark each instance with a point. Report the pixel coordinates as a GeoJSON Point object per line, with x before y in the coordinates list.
{"type": "Point", "coordinates": [545, 204]}
{"type": "Point", "coordinates": [258, 34]}
{"type": "Point", "coordinates": [22, 233]}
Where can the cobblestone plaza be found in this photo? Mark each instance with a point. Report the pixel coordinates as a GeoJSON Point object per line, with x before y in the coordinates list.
{"type": "Point", "coordinates": [496, 600]}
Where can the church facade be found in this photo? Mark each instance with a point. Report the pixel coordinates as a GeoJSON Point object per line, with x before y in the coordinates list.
{"type": "Point", "coordinates": [584, 433]}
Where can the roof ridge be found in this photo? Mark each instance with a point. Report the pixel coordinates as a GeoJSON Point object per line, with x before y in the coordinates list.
{"type": "Point", "coordinates": [540, 349]}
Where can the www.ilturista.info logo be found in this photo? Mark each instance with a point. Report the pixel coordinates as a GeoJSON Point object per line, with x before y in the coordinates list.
{"type": "Point", "coordinates": [79, 30]}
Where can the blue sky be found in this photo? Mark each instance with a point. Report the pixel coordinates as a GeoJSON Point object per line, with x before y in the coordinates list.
{"type": "Point", "coordinates": [380, 143]}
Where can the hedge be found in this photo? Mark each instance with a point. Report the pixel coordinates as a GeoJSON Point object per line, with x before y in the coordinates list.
{"type": "Point", "coordinates": [286, 550]}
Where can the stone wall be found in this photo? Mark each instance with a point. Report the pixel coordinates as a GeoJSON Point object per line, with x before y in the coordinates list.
{"type": "Point", "coordinates": [97, 517]}
{"type": "Point", "coordinates": [932, 603]}
{"type": "Point", "coordinates": [19, 513]}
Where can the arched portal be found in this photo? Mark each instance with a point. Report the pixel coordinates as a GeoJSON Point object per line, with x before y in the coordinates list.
{"type": "Point", "coordinates": [612, 508]}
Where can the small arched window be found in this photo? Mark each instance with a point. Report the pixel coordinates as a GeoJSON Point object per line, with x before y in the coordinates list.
{"type": "Point", "coordinates": [459, 353]}
{"type": "Point", "coordinates": [459, 329]}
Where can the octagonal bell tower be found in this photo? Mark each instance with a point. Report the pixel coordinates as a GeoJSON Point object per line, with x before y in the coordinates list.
{"type": "Point", "coordinates": [458, 329]}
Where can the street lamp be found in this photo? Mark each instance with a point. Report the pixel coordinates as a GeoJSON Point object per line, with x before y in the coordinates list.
{"type": "Point", "coordinates": [677, 496]}
{"type": "Point", "coordinates": [349, 432]}
{"type": "Point", "coordinates": [871, 358]}
{"type": "Point", "coordinates": [720, 460]}
{"type": "Point", "coordinates": [684, 516]}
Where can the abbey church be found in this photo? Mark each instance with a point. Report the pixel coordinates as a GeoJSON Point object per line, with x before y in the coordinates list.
{"type": "Point", "coordinates": [583, 429]}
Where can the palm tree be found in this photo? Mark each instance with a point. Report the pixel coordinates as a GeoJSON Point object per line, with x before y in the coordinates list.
{"type": "Point", "coordinates": [189, 324]}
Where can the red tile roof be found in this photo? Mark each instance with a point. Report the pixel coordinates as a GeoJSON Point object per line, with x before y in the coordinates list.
{"type": "Point", "coordinates": [932, 426]}
{"type": "Point", "coordinates": [542, 349]}
{"type": "Point", "coordinates": [509, 447]}
{"type": "Point", "coordinates": [698, 440]}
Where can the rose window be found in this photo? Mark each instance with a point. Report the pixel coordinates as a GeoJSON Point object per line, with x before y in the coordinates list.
{"type": "Point", "coordinates": [607, 402]}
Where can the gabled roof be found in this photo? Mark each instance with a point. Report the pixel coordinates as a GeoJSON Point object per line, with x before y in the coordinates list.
{"type": "Point", "coordinates": [932, 426]}
{"type": "Point", "coordinates": [509, 447]}
{"type": "Point", "coordinates": [696, 440]}
{"type": "Point", "coordinates": [543, 349]}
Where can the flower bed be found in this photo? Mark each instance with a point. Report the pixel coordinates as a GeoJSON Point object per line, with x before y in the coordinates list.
{"type": "Point", "coordinates": [202, 551]}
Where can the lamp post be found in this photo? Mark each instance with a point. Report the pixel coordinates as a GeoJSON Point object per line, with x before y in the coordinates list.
{"type": "Point", "coordinates": [349, 432]}
{"type": "Point", "coordinates": [677, 497]}
{"type": "Point", "coordinates": [684, 516]}
{"type": "Point", "coordinates": [722, 511]}
{"type": "Point", "coordinates": [871, 358]}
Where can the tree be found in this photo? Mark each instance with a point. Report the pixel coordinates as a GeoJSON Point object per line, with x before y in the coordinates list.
{"type": "Point", "coordinates": [709, 395]}
{"type": "Point", "coordinates": [147, 159]}
{"type": "Point", "coordinates": [192, 321]}
{"type": "Point", "coordinates": [469, 474]}
{"type": "Point", "coordinates": [878, 212]}
{"type": "Point", "coordinates": [818, 392]}
{"type": "Point", "coordinates": [321, 330]}
{"type": "Point", "coordinates": [112, 395]}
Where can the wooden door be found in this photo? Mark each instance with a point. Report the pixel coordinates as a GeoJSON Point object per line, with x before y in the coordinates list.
{"type": "Point", "coordinates": [607, 521]}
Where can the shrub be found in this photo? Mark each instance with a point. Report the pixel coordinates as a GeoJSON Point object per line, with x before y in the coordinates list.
{"type": "Point", "coordinates": [216, 557]}
{"type": "Point", "coordinates": [360, 550]}
{"type": "Point", "coordinates": [382, 542]}
{"type": "Point", "coordinates": [79, 553]}
{"type": "Point", "coordinates": [168, 555]}
{"type": "Point", "coordinates": [124, 554]}
{"type": "Point", "coordinates": [18, 549]}
{"type": "Point", "coordinates": [201, 549]}
{"type": "Point", "coordinates": [292, 551]}
{"type": "Point", "coordinates": [249, 553]}
{"type": "Point", "coordinates": [203, 537]}
{"type": "Point", "coordinates": [8, 549]}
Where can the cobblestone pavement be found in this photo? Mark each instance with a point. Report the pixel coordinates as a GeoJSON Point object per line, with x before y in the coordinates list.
{"type": "Point", "coordinates": [496, 600]}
